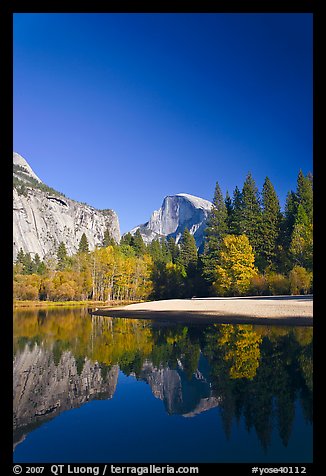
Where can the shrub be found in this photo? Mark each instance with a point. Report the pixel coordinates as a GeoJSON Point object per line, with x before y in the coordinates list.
{"type": "Point", "coordinates": [65, 292]}
{"type": "Point", "coordinates": [259, 286]}
{"type": "Point", "coordinates": [300, 280]}
{"type": "Point", "coordinates": [26, 287]}
{"type": "Point", "coordinates": [277, 284]}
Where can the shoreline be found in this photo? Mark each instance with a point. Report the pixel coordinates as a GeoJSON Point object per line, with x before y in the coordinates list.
{"type": "Point", "coordinates": [47, 304]}
{"type": "Point", "coordinates": [268, 310]}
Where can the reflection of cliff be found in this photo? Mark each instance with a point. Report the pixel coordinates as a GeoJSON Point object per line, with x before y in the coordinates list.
{"type": "Point", "coordinates": [43, 389]}
{"type": "Point", "coordinates": [249, 372]}
{"type": "Point", "coordinates": [180, 395]}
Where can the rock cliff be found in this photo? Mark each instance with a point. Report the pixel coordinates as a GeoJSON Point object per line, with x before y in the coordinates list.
{"type": "Point", "coordinates": [177, 213]}
{"type": "Point", "coordinates": [180, 395]}
{"type": "Point", "coordinates": [43, 388]}
{"type": "Point", "coordinates": [43, 217]}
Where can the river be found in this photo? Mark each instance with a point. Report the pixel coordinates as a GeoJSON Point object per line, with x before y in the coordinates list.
{"type": "Point", "coordinates": [97, 389]}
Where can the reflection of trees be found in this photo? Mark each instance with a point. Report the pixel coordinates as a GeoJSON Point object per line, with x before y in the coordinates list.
{"type": "Point", "coordinates": [174, 345]}
{"type": "Point", "coordinates": [100, 339]}
{"type": "Point", "coordinates": [257, 372]}
{"type": "Point", "coordinates": [239, 346]}
{"type": "Point", "coordinates": [265, 391]}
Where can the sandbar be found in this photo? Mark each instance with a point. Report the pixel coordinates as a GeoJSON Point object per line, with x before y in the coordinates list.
{"type": "Point", "coordinates": [277, 310]}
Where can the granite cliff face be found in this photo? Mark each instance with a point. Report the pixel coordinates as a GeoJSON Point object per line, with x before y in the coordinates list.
{"type": "Point", "coordinates": [42, 217]}
{"type": "Point", "coordinates": [43, 388]}
{"type": "Point", "coordinates": [177, 213]}
{"type": "Point", "coordinates": [180, 395]}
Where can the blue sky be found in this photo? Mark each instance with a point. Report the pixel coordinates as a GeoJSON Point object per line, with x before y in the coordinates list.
{"type": "Point", "coordinates": [120, 110]}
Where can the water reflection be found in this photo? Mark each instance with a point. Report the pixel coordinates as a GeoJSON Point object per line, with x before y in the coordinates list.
{"type": "Point", "coordinates": [64, 358]}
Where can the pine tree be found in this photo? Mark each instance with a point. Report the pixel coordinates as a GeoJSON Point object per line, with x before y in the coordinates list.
{"type": "Point", "coordinates": [217, 227]}
{"type": "Point", "coordinates": [188, 261]}
{"type": "Point", "coordinates": [166, 253]}
{"type": "Point", "coordinates": [62, 256]}
{"type": "Point", "coordinates": [174, 249]}
{"type": "Point", "coordinates": [83, 244]}
{"type": "Point", "coordinates": [229, 210]}
{"type": "Point", "coordinates": [41, 268]}
{"type": "Point", "coordinates": [305, 194]}
{"type": "Point", "coordinates": [20, 256]}
{"type": "Point", "coordinates": [188, 251]}
{"type": "Point", "coordinates": [296, 230]}
{"type": "Point", "coordinates": [234, 218]}
{"type": "Point", "coordinates": [155, 250]}
{"type": "Point", "coordinates": [291, 207]}
{"type": "Point", "coordinates": [271, 224]}
{"type": "Point", "coordinates": [137, 243]}
{"type": "Point", "coordinates": [217, 222]}
{"type": "Point", "coordinates": [250, 220]}
{"type": "Point", "coordinates": [36, 264]}
{"type": "Point", "coordinates": [126, 239]}
{"type": "Point", "coordinates": [108, 240]}
{"type": "Point", "coordinates": [301, 248]}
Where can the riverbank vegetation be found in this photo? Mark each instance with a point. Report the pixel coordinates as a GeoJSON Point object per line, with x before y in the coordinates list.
{"type": "Point", "coordinates": [250, 248]}
{"type": "Point", "coordinates": [28, 304]}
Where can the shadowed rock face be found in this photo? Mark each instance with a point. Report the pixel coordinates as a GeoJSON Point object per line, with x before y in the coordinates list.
{"type": "Point", "coordinates": [42, 389]}
{"type": "Point", "coordinates": [43, 218]}
{"type": "Point", "coordinates": [177, 213]}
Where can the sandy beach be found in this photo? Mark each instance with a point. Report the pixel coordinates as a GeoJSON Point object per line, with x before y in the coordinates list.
{"type": "Point", "coordinates": [280, 310]}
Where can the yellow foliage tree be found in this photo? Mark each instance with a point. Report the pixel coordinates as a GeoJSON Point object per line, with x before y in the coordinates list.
{"type": "Point", "coordinates": [26, 286]}
{"type": "Point", "coordinates": [240, 346]}
{"type": "Point", "coordinates": [235, 268]}
{"type": "Point", "coordinates": [300, 280]}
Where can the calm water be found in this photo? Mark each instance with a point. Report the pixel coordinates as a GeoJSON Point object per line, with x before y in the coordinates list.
{"type": "Point", "coordinates": [93, 389]}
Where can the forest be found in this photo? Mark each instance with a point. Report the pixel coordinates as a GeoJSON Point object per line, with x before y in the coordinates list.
{"type": "Point", "coordinates": [251, 247]}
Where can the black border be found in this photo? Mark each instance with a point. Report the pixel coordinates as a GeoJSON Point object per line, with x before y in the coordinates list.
{"type": "Point", "coordinates": [7, 9]}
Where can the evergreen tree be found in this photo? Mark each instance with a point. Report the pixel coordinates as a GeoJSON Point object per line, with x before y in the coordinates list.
{"type": "Point", "coordinates": [28, 267]}
{"type": "Point", "coordinates": [291, 207]}
{"type": "Point", "coordinates": [250, 221]}
{"type": "Point", "coordinates": [296, 229]}
{"type": "Point", "coordinates": [62, 256]}
{"type": "Point", "coordinates": [166, 254]}
{"type": "Point", "coordinates": [36, 261]}
{"type": "Point", "coordinates": [155, 250]}
{"type": "Point", "coordinates": [126, 239]}
{"type": "Point", "coordinates": [168, 281]}
{"type": "Point", "coordinates": [188, 251]}
{"type": "Point", "coordinates": [217, 222]}
{"type": "Point", "coordinates": [138, 244]}
{"type": "Point", "coordinates": [107, 239]}
{"type": "Point", "coordinates": [188, 260]}
{"type": "Point", "coordinates": [301, 247]}
{"type": "Point", "coordinates": [305, 194]}
{"type": "Point", "coordinates": [234, 217]}
{"type": "Point", "coordinates": [271, 223]}
{"type": "Point", "coordinates": [229, 210]}
{"type": "Point", "coordinates": [20, 256]}
{"type": "Point", "coordinates": [173, 248]}
{"type": "Point", "coordinates": [41, 268]}
{"type": "Point", "coordinates": [217, 227]}
{"type": "Point", "coordinates": [83, 244]}
{"type": "Point", "coordinates": [38, 265]}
